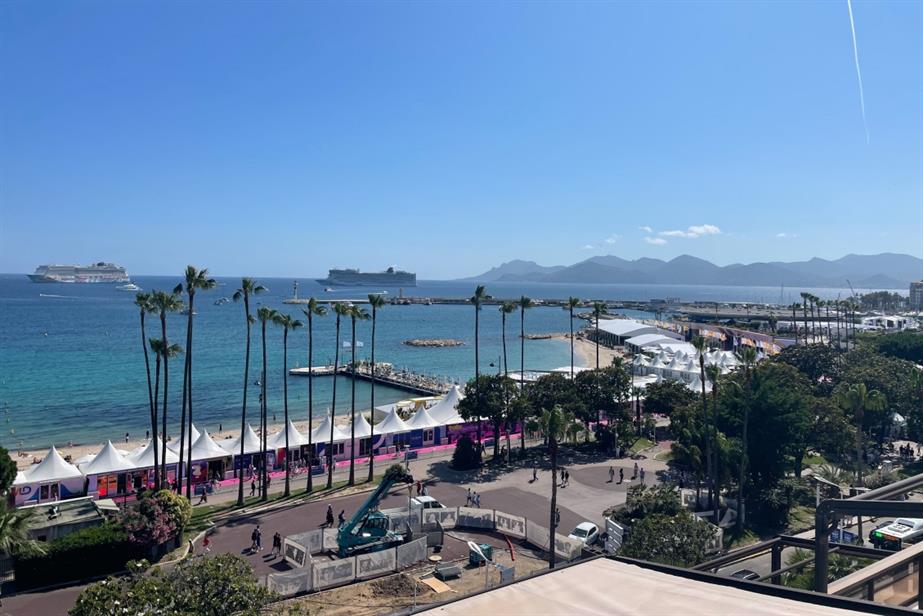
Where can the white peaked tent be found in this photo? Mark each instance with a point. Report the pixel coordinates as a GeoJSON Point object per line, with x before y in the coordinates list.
{"type": "Point", "coordinates": [145, 459]}
{"type": "Point", "coordinates": [251, 443]}
{"type": "Point", "coordinates": [422, 420]}
{"type": "Point", "coordinates": [192, 437]}
{"type": "Point", "coordinates": [363, 429]}
{"type": "Point", "coordinates": [447, 407]}
{"type": "Point", "coordinates": [392, 423]}
{"type": "Point", "coordinates": [322, 432]}
{"type": "Point", "coordinates": [108, 461]}
{"type": "Point", "coordinates": [52, 468]}
{"type": "Point", "coordinates": [295, 438]}
{"type": "Point", "coordinates": [205, 448]}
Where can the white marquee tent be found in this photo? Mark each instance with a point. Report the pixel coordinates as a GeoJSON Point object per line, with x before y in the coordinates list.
{"type": "Point", "coordinates": [108, 461]}
{"type": "Point", "coordinates": [252, 443]}
{"type": "Point", "coordinates": [205, 448]}
{"type": "Point", "coordinates": [295, 438]}
{"type": "Point", "coordinates": [422, 420]}
{"type": "Point", "coordinates": [145, 459]}
{"type": "Point", "coordinates": [322, 432]}
{"type": "Point", "coordinates": [392, 424]}
{"type": "Point", "coordinates": [52, 468]}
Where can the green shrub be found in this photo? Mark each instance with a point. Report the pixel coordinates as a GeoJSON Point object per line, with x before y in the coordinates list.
{"type": "Point", "coordinates": [466, 455]}
{"type": "Point", "coordinates": [86, 553]}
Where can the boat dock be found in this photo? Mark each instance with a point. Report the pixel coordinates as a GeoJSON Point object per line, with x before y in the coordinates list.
{"type": "Point", "coordinates": [386, 375]}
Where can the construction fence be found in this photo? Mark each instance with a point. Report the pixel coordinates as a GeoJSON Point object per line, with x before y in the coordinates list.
{"type": "Point", "coordinates": [316, 574]}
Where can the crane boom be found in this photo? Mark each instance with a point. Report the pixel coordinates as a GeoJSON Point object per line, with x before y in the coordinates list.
{"type": "Point", "coordinates": [350, 536]}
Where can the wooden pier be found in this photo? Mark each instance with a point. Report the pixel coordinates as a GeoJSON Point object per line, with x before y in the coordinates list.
{"type": "Point", "coordinates": [386, 375]}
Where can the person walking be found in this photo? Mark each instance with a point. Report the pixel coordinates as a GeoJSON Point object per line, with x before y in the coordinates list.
{"type": "Point", "coordinates": [259, 539]}
{"type": "Point", "coordinates": [566, 477]}
{"type": "Point", "coordinates": [341, 519]}
{"type": "Point", "coordinates": [206, 544]}
{"type": "Point", "coordinates": [253, 539]}
{"type": "Point", "coordinates": [642, 475]}
{"type": "Point", "coordinates": [468, 498]}
{"type": "Point", "coordinates": [418, 488]}
{"type": "Point", "coordinates": [634, 475]}
{"type": "Point", "coordinates": [534, 472]}
{"type": "Point", "coordinates": [253, 487]}
{"type": "Point", "coordinates": [621, 475]}
{"type": "Point", "coordinates": [329, 517]}
{"type": "Point", "coordinates": [423, 490]}
{"type": "Point", "coordinates": [477, 500]}
{"type": "Point", "coordinates": [611, 474]}
{"type": "Point", "coordinates": [557, 516]}
{"type": "Point", "coordinates": [204, 497]}
{"type": "Point", "coordinates": [276, 544]}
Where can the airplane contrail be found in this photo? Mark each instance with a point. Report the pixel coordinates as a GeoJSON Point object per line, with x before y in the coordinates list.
{"type": "Point", "coordinates": [855, 52]}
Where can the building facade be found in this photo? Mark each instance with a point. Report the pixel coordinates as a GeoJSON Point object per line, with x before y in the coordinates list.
{"type": "Point", "coordinates": [916, 295]}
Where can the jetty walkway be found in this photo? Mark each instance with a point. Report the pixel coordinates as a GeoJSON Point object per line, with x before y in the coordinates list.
{"type": "Point", "coordinates": [385, 374]}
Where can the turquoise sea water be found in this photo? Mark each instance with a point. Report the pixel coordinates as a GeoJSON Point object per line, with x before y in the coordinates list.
{"type": "Point", "coordinates": [71, 366]}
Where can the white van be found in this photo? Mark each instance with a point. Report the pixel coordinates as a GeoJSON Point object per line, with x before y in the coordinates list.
{"type": "Point", "coordinates": [425, 502]}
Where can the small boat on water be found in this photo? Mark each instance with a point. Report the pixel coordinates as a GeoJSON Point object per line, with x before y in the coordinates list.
{"type": "Point", "coordinates": [221, 301]}
{"type": "Point", "coordinates": [128, 287]}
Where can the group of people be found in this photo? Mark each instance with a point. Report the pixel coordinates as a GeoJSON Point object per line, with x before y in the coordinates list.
{"type": "Point", "coordinates": [473, 499]}
{"type": "Point", "coordinates": [637, 474]}
{"type": "Point", "coordinates": [256, 542]}
{"type": "Point", "coordinates": [328, 519]}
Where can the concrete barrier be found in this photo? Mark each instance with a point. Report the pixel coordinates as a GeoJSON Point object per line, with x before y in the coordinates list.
{"type": "Point", "coordinates": [374, 564]}
{"type": "Point", "coordinates": [567, 548]}
{"type": "Point", "coordinates": [512, 525]}
{"type": "Point", "coordinates": [475, 518]}
{"type": "Point", "coordinates": [329, 541]}
{"type": "Point", "coordinates": [446, 516]}
{"type": "Point", "coordinates": [536, 534]}
{"type": "Point", "coordinates": [334, 572]}
{"type": "Point", "coordinates": [411, 553]}
{"type": "Point", "coordinates": [291, 583]}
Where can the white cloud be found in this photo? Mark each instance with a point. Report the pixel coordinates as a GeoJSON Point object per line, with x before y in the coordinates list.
{"type": "Point", "coordinates": [646, 229]}
{"type": "Point", "coordinates": [693, 232]}
{"type": "Point", "coordinates": [588, 247]}
{"type": "Point", "coordinates": [785, 235]}
{"type": "Point", "coordinates": [656, 241]}
{"type": "Point", "coordinates": [613, 238]}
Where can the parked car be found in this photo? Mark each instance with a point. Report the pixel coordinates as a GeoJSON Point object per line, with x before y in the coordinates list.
{"type": "Point", "coordinates": [746, 574]}
{"type": "Point", "coordinates": [587, 532]}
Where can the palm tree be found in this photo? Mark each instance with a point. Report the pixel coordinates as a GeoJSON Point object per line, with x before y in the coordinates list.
{"type": "Point", "coordinates": [572, 302]}
{"type": "Point", "coordinates": [14, 533]}
{"type": "Point", "coordinates": [248, 287]}
{"type": "Point", "coordinates": [163, 304]}
{"type": "Point", "coordinates": [524, 304]}
{"type": "Point", "coordinates": [195, 280]}
{"type": "Point", "coordinates": [313, 310]}
{"type": "Point", "coordinates": [376, 302]}
{"type": "Point", "coordinates": [794, 308]}
{"type": "Point", "coordinates": [858, 399]}
{"type": "Point", "coordinates": [804, 311]}
{"type": "Point", "coordinates": [505, 309]}
{"type": "Point", "coordinates": [156, 345]}
{"type": "Point", "coordinates": [747, 356]}
{"type": "Point", "coordinates": [479, 296]}
{"type": "Point", "coordinates": [554, 423]}
{"type": "Point", "coordinates": [355, 313]}
{"type": "Point", "coordinates": [599, 309]}
{"type": "Point", "coordinates": [264, 315]}
{"type": "Point", "coordinates": [287, 323]}
{"type": "Point", "coordinates": [342, 310]}
{"type": "Point", "coordinates": [143, 302]}
{"type": "Point", "coordinates": [700, 346]}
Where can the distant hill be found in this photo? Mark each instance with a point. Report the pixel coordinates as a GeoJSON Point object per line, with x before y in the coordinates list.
{"type": "Point", "coordinates": [882, 271]}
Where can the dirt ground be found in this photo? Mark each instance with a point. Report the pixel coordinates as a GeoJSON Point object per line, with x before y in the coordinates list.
{"type": "Point", "coordinates": [386, 594]}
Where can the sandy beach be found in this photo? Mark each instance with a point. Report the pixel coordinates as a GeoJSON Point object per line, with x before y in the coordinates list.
{"type": "Point", "coordinates": [586, 349]}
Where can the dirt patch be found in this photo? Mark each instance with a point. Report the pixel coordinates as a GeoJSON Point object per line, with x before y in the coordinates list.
{"type": "Point", "coordinates": [395, 586]}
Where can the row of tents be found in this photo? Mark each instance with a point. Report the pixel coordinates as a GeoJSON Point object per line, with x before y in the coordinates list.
{"type": "Point", "coordinates": [115, 471]}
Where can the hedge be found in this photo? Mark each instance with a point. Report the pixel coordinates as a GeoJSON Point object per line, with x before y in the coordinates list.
{"type": "Point", "coordinates": [83, 554]}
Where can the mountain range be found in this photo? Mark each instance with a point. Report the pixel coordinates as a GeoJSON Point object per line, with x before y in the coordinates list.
{"type": "Point", "coordinates": [882, 271]}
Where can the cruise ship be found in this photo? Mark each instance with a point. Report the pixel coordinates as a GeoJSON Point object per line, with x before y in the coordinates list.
{"type": "Point", "coordinates": [97, 272]}
{"type": "Point", "coordinates": [353, 277]}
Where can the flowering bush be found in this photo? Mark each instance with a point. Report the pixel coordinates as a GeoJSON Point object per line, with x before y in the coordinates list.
{"type": "Point", "coordinates": [156, 518]}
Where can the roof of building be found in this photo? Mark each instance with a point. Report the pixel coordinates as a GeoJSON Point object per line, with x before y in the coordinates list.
{"type": "Point", "coordinates": [52, 468]}
{"type": "Point", "coordinates": [612, 588]}
{"type": "Point", "coordinates": [644, 340]}
{"type": "Point", "coordinates": [108, 460]}
{"type": "Point", "coordinates": [625, 327]}
{"type": "Point", "coordinates": [251, 443]}
{"type": "Point", "coordinates": [71, 511]}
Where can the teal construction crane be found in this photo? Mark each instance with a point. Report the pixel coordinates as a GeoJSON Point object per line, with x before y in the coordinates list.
{"type": "Point", "coordinates": [368, 529]}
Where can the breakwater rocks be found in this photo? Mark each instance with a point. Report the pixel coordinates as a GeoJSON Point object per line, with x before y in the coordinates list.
{"type": "Point", "coordinates": [433, 342]}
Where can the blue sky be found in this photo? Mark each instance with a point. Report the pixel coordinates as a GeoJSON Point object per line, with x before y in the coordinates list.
{"type": "Point", "coordinates": [286, 138]}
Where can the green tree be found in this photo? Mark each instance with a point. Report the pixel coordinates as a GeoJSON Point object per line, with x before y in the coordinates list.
{"type": "Point", "coordinates": [505, 309]}
{"type": "Point", "coordinates": [599, 309]}
{"type": "Point", "coordinates": [14, 533]}
{"type": "Point", "coordinates": [265, 316]}
{"type": "Point", "coordinates": [642, 501]}
{"type": "Point", "coordinates": [701, 346]}
{"type": "Point", "coordinates": [355, 313]}
{"type": "Point", "coordinates": [195, 280]}
{"type": "Point", "coordinates": [667, 396]}
{"type": "Point", "coordinates": [747, 357]}
{"type": "Point", "coordinates": [165, 303]}
{"type": "Point", "coordinates": [524, 304]}
{"type": "Point", "coordinates": [819, 363]}
{"type": "Point", "coordinates": [248, 288]}
{"type": "Point", "coordinates": [341, 310]}
{"type": "Point", "coordinates": [466, 455]}
{"type": "Point", "coordinates": [572, 302]}
{"type": "Point", "coordinates": [679, 540]}
{"type": "Point", "coordinates": [554, 421]}
{"type": "Point", "coordinates": [287, 323]}
{"type": "Point", "coordinates": [902, 345]}
{"type": "Point", "coordinates": [856, 400]}
{"type": "Point", "coordinates": [606, 390]}
{"type": "Point", "coordinates": [480, 294]}
{"type": "Point", "coordinates": [143, 302]}
{"type": "Point", "coordinates": [220, 585]}
{"type": "Point", "coordinates": [377, 302]}
{"type": "Point", "coordinates": [162, 353]}
{"type": "Point", "coordinates": [316, 310]}
{"type": "Point", "coordinates": [488, 399]}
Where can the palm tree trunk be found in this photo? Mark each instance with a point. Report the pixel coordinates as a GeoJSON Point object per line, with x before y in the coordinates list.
{"type": "Point", "coordinates": [155, 444]}
{"type": "Point", "coordinates": [597, 341]}
{"type": "Point", "coordinates": [264, 472]}
{"type": "Point", "coordinates": [333, 410]}
{"type": "Point", "coordinates": [506, 374]}
{"type": "Point", "coordinates": [310, 487]}
{"type": "Point", "coordinates": [708, 436]}
{"type": "Point", "coordinates": [477, 370]}
{"type": "Point", "coordinates": [189, 396]}
{"type": "Point", "coordinates": [243, 409]}
{"type": "Point", "coordinates": [352, 411]}
{"type": "Point", "coordinates": [571, 343]}
{"type": "Point", "coordinates": [522, 370]}
{"type": "Point", "coordinates": [372, 416]}
{"type": "Point", "coordinates": [150, 391]}
{"type": "Point", "coordinates": [166, 382]}
{"type": "Point", "coordinates": [552, 521]}
{"type": "Point", "coordinates": [288, 455]}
